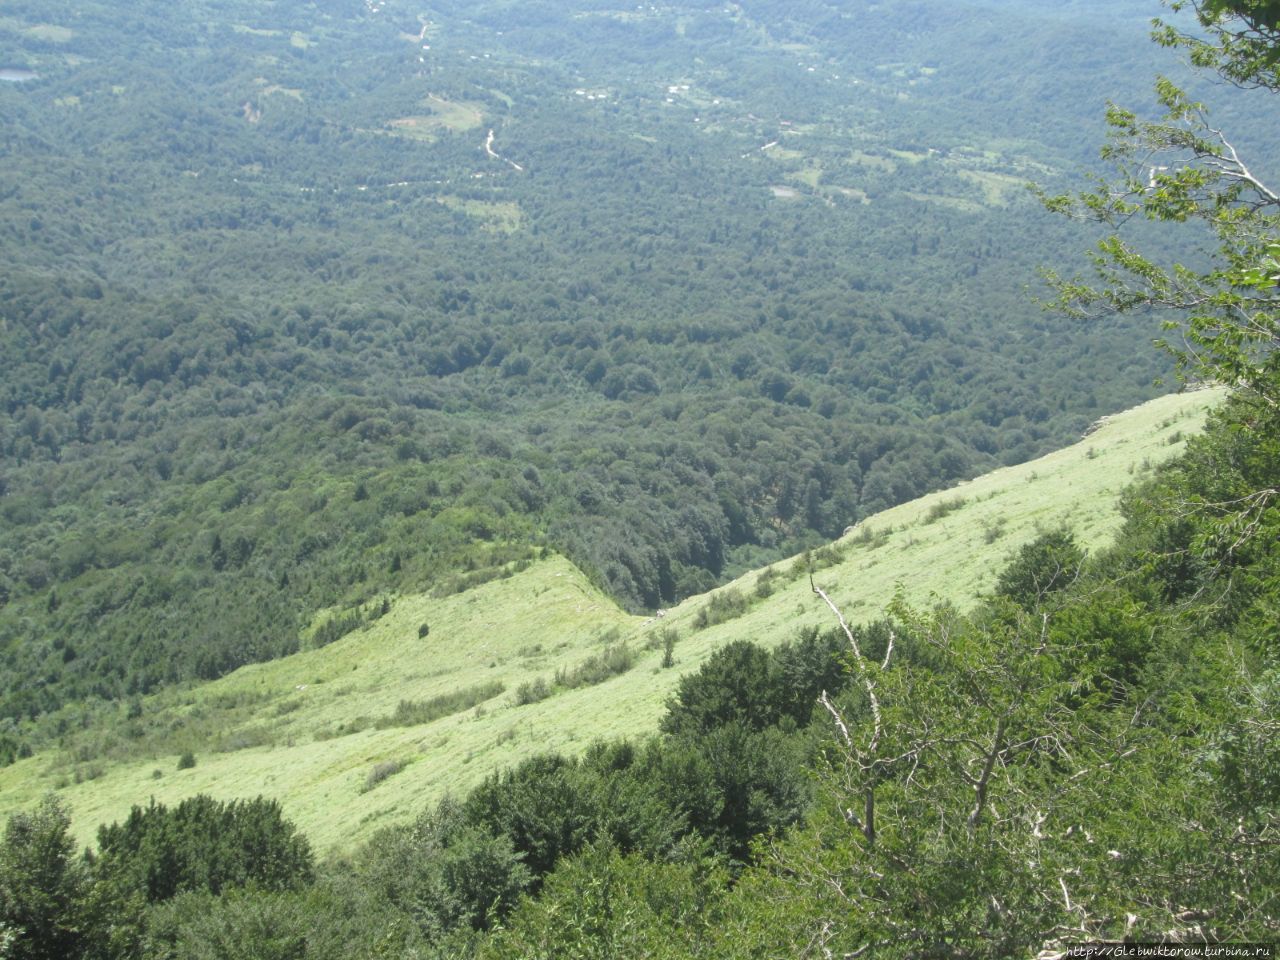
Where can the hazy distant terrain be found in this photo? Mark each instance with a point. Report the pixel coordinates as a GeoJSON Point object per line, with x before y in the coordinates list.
{"type": "Point", "coordinates": [308, 302]}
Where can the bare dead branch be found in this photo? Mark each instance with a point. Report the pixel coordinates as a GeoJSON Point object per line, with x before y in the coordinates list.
{"type": "Point", "coordinates": [839, 720]}
{"type": "Point", "coordinates": [860, 664]}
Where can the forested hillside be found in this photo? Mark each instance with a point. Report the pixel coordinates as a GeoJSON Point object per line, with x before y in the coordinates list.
{"type": "Point", "coordinates": [1088, 755]}
{"type": "Point", "coordinates": [438, 691]}
{"type": "Point", "coordinates": [312, 305]}
{"type": "Point", "coordinates": [285, 329]}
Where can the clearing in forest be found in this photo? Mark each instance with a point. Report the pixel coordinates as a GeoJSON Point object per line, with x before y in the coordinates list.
{"type": "Point", "coordinates": [455, 115]}
{"type": "Point", "coordinates": [494, 217]}
{"type": "Point", "coordinates": [997, 188]}
{"type": "Point", "coordinates": [47, 32]}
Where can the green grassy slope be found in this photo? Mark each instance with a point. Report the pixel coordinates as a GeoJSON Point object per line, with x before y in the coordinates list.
{"type": "Point", "coordinates": [282, 728]}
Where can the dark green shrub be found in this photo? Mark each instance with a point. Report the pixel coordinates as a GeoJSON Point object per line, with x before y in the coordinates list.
{"type": "Point", "coordinates": [540, 806]}
{"type": "Point", "coordinates": [381, 771]}
{"type": "Point", "coordinates": [721, 606]}
{"type": "Point", "coordinates": [42, 885]}
{"type": "Point", "coordinates": [739, 684]}
{"type": "Point", "coordinates": [532, 691]}
{"type": "Point", "coordinates": [746, 686]}
{"type": "Point", "coordinates": [410, 713]}
{"type": "Point", "coordinates": [336, 627]}
{"type": "Point", "coordinates": [444, 872]}
{"type": "Point", "coordinates": [597, 669]}
{"type": "Point", "coordinates": [766, 582]}
{"type": "Point", "coordinates": [943, 507]}
{"type": "Point", "coordinates": [1041, 568]}
{"type": "Point", "coordinates": [732, 784]}
{"type": "Point", "coordinates": [669, 638]}
{"type": "Point", "coordinates": [204, 844]}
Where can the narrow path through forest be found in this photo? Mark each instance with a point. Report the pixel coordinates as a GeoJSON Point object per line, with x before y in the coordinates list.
{"type": "Point", "coordinates": [488, 148]}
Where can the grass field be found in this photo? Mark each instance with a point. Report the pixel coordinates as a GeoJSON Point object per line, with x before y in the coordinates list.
{"type": "Point", "coordinates": [47, 32]}
{"type": "Point", "coordinates": [255, 31]}
{"type": "Point", "coordinates": [274, 88]}
{"type": "Point", "coordinates": [963, 204]}
{"type": "Point", "coordinates": [997, 188]}
{"type": "Point", "coordinates": [496, 217]}
{"type": "Point", "coordinates": [306, 729]}
{"type": "Point", "coordinates": [455, 115]}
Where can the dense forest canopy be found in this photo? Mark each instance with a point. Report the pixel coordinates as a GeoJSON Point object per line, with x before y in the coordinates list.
{"type": "Point", "coordinates": [1088, 754]}
{"type": "Point", "coordinates": [310, 302]}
